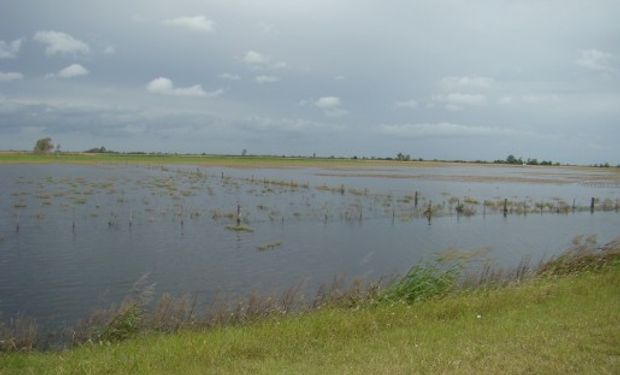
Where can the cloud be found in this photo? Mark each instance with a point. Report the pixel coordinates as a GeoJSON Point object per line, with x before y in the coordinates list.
{"type": "Point", "coordinates": [327, 102]}
{"type": "Point", "coordinates": [9, 50]}
{"type": "Point", "coordinates": [196, 23]}
{"type": "Point", "coordinates": [10, 76]}
{"type": "Point", "coordinates": [596, 60]}
{"type": "Point", "coordinates": [407, 104]}
{"type": "Point", "coordinates": [60, 43]}
{"type": "Point", "coordinates": [540, 98]}
{"type": "Point", "coordinates": [109, 50]}
{"type": "Point", "coordinates": [268, 28]}
{"type": "Point", "coordinates": [286, 125]}
{"type": "Point", "coordinates": [137, 18]}
{"type": "Point", "coordinates": [164, 86]}
{"type": "Point", "coordinates": [267, 79]}
{"type": "Point", "coordinates": [228, 76]}
{"type": "Point", "coordinates": [442, 129]}
{"type": "Point", "coordinates": [457, 101]}
{"type": "Point", "coordinates": [257, 59]}
{"type": "Point", "coordinates": [454, 83]}
{"type": "Point", "coordinates": [74, 70]}
{"type": "Point", "coordinates": [331, 106]}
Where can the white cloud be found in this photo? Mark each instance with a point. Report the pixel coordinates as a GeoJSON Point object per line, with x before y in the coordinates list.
{"type": "Point", "coordinates": [456, 101]}
{"type": "Point", "coordinates": [597, 60]}
{"type": "Point", "coordinates": [408, 104]}
{"type": "Point", "coordinates": [196, 23]}
{"type": "Point", "coordinates": [442, 129]}
{"type": "Point", "coordinates": [74, 70]}
{"type": "Point", "coordinates": [327, 102]}
{"type": "Point", "coordinates": [10, 76]}
{"type": "Point", "coordinates": [257, 59]}
{"type": "Point", "coordinates": [267, 79]}
{"type": "Point", "coordinates": [231, 77]}
{"type": "Point", "coordinates": [454, 83]}
{"type": "Point", "coordinates": [331, 106]}
{"type": "Point", "coordinates": [9, 50]}
{"type": "Point", "coordinates": [60, 43]}
{"type": "Point", "coordinates": [164, 86]}
{"type": "Point", "coordinates": [109, 50]}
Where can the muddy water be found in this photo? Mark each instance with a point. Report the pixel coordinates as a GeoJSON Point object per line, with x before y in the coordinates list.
{"type": "Point", "coordinates": [73, 238]}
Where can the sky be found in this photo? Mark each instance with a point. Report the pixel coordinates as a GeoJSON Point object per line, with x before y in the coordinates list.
{"type": "Point", "coordinates": [445, 79]}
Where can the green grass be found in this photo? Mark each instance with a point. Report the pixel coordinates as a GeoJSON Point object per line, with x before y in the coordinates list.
{"type": "Point", "coordinates": [206, 160]}
{"type": "Point", "coordinates": [550, 324]}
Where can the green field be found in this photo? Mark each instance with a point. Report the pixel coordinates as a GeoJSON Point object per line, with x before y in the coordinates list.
{"type": "Point", "coordinates": [206, 160]}
{"type": "Point", "coordinates": [557, 324]}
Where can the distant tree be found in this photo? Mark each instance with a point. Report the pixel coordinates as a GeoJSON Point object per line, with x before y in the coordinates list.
{"type": "Point", "coordinates": [58, 147]}
{"type": "Point", "coordinates": [511, 159]}
{"type": "Point", "coordinates": [402, 157]}
{"type": "Point", "coordinates": [43, 145]}
{"type": "Point", "coordinates": [97, 150]}
{"type": "Point", "coordinates": [244, 152]}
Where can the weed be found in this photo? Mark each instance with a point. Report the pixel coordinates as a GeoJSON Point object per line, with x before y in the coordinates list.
{"type": "Point", "coordinates": [269, 246]}
{"type": "Point", "coordinates": [422, 282]}
{"type": "Point", "coordinates": [19, 335]}
{"type": "Point", "coordinates": [240, 228]}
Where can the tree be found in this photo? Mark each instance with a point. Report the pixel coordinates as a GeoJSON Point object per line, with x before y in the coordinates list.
{"type": "Point", "coordinates": [402, 157]}
{"type": "Point", "coordinates": [44, 145]}
{"type": "Point", "coordinates": [244, 152]}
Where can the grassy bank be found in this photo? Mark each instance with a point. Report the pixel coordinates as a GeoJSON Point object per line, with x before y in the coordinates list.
{"type": "Point", "coordinates": [565, 320]}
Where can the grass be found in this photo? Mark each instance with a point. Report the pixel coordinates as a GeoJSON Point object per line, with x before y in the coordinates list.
{"type": "Point", "coordinates": [240, 228]}
{"type": "Point", "coordinates": [554, 325]}
{"type": "Point", "coordinates": [563, 320]}
{"type": "Point", "coordinates": [205, 160]}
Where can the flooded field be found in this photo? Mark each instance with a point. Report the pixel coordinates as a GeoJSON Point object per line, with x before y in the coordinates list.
{"type": "Point", "coordinates": [77, 237]}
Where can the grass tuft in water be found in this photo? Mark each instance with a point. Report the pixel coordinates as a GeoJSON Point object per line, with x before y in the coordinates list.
{"type": "Point", "coordinates": [240, 228]}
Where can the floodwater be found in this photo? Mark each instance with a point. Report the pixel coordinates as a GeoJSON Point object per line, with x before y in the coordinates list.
{"type": "Point", "coordinates": [74, 238]}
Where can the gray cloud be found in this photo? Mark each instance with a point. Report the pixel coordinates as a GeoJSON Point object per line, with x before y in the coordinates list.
{"type": "Point", "coordinates": [408, 104]}
{"type": "Point", "coordinates": [267, 79]}
{"type": "Point", "coordinates": [9, 50]}
{"type": "Point", "coordinates": [445, 84]}
{"type": "Point", "coordinates": [229, 76]}
{"type": "Point", "coordinates": [10, 76]}
{"type": "Point", "coordinates": [594, 59]}
{"type": "Point", "coordinates": [442, 129]}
